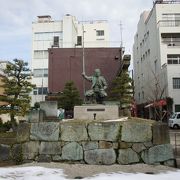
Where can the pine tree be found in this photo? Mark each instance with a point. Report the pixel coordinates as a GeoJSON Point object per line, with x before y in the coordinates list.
{"type": "Point", "coordinates": [122, 89]}
{"type": "Point", "coordinates": [69, 97]}
{"type": "Point", "coordinates": [17, 86]}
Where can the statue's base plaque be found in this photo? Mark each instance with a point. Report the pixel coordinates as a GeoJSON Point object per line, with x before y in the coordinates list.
{"type": "Point", "coordinates": [96, 112]}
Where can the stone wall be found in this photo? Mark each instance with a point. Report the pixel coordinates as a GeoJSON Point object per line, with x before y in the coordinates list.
{"type": "Point", "coordinates": [126, 141]}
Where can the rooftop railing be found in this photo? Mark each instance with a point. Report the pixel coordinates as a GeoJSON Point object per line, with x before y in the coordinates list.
{"type": "Point", "coordinates": [167, 2]}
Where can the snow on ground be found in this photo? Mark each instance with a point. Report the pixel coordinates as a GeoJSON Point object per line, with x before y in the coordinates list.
{"type": "Point", "coordinates": [38, 173]}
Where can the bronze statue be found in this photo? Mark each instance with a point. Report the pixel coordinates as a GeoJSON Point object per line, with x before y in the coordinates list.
{"type": "Point", "coordinates": [97, 92]}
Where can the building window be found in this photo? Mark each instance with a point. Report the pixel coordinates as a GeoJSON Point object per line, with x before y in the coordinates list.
{"type": "Point", "coordinates": [173, 58]}
{"type": "Point", "coordinates": [40, 72]}
{"type": "Point", "coordinates": [139, 95]}
{"type": "Point", "coordinates": [42, 91]}
{"type": "Point", "coordinates": [177, 107]}
{"type": "Point", "coordinates": [143, 94]}
{"type": "Point", "coordinates": [56, 41]}
{"type": "Point", "coordinates": [79, 40]}
{"type": "Point", "coordinates": [176, 83]}
{"type": "Point", "coordinates": [35, 91]}
{"type": "Point", "coordinates": [41, 54]}
{"type": "Point", "coordinates": [155, 66]}
{"type": "Point", "coordinates": [47, 36]}
{"type": "Point", "coordinates": [100, 33]}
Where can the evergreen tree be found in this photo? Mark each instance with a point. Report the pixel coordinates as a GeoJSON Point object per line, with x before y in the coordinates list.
{"type": "Point", "coordinates": [122, 89]}
{"type": "Point", "coordinates": [17, 86]}
{"type": "Point", "coordinates": [69, 97]}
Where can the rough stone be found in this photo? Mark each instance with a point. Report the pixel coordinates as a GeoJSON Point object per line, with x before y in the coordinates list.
{"type": "Point", "coordinates": [4, 152]}
{"type": "Point", "coordinates": [16, 153]}
{"type": "Point", "coordinates": [23, 132]}
{"type": "Point", "coordinates": [36, 116]}
{"type": "Point", "coordinates": [170, 163]}
{"type": "Point", "coordinates": [57, 158]}
{"type": "Point", "coordinates": [44, 158]}
{"type": "Point", "coordinates": [8, 138]}
{"type": "Point", "coordinates": [105, 145]}
{"type": "Point", "coordinates": [73, 132]}
{"type": "Point", "coordinates": [124, 145]}
{"type": "Point", "coordinates": [104, 131]}
{"type": "Point", "coordinates": [115, 145]}
{"type": "Point", "coordinates": [148, 144]}
{"type": "Point", "coordinates": [138, 147]}
{"type": "Point", "coordinates": [89, 145]}
{"type": "Point", "coordinates": [72, 152]}
{"type": "Point", "coordinates": [127, 156]}
{"type": "Point", "coordinates": [160, 134]}
{"type": "Point", "coordinates": [30, 149]}
{"type": "Point", "coordinates": [49, 107]}
{"type": "Point", "coordinates": [100, 156]}
{"type": "Point", "coordinates": [157, 154]}
{"type": "Point", "coordinates": [50, 148]}
{"type": "Point", "coordinates": [47, 131]}
{"type": "Point", "coordinates": [136, 132]}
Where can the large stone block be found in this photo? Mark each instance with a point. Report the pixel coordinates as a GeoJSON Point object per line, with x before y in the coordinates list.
{"type": "Point", "coordinates": [4, 152]}
{"type": "Point", "coordinates": [72, 152]}
{"type": "Point", "coordinates": [30, 149]}
{"type": "Point", "coordinates": [50, 148]}
{"type": "Point", "coordinates": [16, 153]}
{"type": "Point", "coordinates": [138, 147]}
{"type": "Point", "coordinates": [136, 132]}
{"type": "Point", "coordinates": [36, 116]}
{"type": "Point", "coordinates": [23, 132]}
{"type": "Point", "coordinates": [107, 131]}
{"type": "Point", "coordinates": [100, 156]}
{"type": "Point", "coordinates": [98, 112]}
{"type": "Point", "coordinates": [105, 145]}
{"type": "Point", "coordinates": [49, 107]}
{"type": "Point", "coordinates": [8, 138]}
{"type": "Point", "coordinates": [44, 158]}
{"type": "Point", "coordinates": [160, 134]}
{"type": "Point", "coordinates": [73, 132]}
{"type": "Point", "coordinates": [47, 131]}
{"type": "Point", "coordinates": [159, 153]}
{"type": "Point", "coordinates": [127, 156]}
{"type": "Point", "coordinates": [90, 145]}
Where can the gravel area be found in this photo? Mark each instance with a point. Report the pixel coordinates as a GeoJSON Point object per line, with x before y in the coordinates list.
{"type": "Point", "coordinates": [82, 170]}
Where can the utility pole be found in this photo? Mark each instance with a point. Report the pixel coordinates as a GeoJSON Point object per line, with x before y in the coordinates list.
{"type": "Point", "coordinates": [84, 87]}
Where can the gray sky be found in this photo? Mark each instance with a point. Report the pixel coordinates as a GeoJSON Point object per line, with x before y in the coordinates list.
{"type": "Point", "coordinates": [16, 17]}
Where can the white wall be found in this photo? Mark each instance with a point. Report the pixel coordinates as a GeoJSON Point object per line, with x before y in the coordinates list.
{"type": "Point", "coordinates": [158, 51]}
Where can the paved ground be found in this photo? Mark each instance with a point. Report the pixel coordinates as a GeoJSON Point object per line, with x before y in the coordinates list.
{"type": "Point", "coordinates": [175, 141]}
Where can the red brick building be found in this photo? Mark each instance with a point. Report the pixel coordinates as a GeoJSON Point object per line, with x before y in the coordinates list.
{"type": "Point", "coordinates": [66, 64]}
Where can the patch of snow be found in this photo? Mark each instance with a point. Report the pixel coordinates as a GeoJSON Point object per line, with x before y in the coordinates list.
{"type": "Point", "coordinates": [138, 176]}
{"type": "Point", "coordinates": [115, 120]}
{"type": "Point", "coordinates": [38, 173]}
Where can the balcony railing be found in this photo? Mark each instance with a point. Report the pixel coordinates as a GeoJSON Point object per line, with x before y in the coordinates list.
{"type": "Point", "coordinates": [169, 23]}
{"type": "Point", "coordinates": [171, 43]}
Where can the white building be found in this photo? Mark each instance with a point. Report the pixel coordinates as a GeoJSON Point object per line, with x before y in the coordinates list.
{"type": "Point", "coordinates": [156, 54]}
{"type": "Point", "coordinates": [66, 33]}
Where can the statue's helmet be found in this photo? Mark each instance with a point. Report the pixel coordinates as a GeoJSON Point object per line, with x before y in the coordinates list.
{"type": "Point", "coordinates": [97, 72]}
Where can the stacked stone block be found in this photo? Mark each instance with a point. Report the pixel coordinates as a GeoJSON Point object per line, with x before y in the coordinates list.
{"type": "Point", "coordinates": [93, 142]}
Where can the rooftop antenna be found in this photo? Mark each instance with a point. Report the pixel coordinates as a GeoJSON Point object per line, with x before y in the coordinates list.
{"type": "Point", "coordinates": [121, 34]}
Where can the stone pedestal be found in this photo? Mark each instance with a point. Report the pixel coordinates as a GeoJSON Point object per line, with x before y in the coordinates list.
{"type": "Point", "coordinates": [96, 112]}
